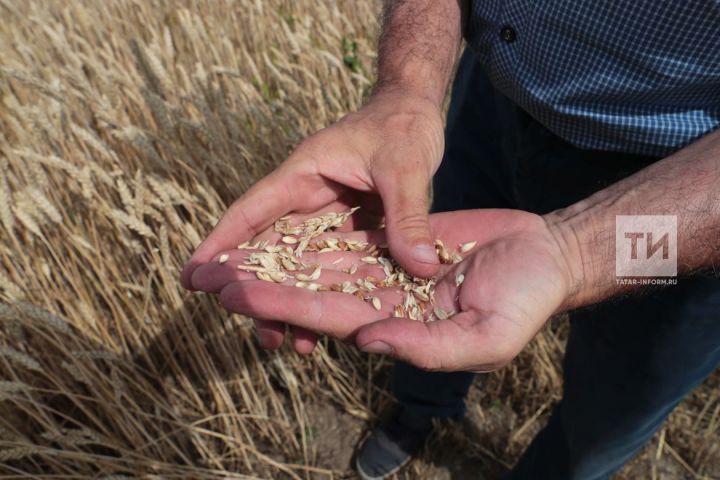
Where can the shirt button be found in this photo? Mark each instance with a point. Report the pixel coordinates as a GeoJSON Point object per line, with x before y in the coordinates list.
{"type": "Point", "coordinates": [507, 34]}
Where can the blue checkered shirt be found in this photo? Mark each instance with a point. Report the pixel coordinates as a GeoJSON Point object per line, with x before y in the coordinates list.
{"type": "Point", "coordinates": [636, 76]}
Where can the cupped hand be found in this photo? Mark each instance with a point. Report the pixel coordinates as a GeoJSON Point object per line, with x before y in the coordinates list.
{"type": "Point", "coordinates": [513, 280]}
{"type": "Point", "coordinates": [381, 158]}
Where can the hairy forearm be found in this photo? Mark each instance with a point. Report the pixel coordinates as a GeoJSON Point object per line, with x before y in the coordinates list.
{"type": "Point", "coordinates": [686, 185]}
{"type": "Point", "coordinates": [418, 46]}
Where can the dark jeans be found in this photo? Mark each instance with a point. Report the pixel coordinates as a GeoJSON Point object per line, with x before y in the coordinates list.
{"type": "Point", "coordinates": [629, 361]}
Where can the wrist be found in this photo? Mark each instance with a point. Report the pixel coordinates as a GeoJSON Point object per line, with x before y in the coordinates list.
{"type": "Point", "coordinates": [409, 87]}
{"type": "Point", "coordinates": [569, 246]}
{"type": "Point", "coordinates": [418, 46]}
{"type": "Point", "coordinates": [406, 98]}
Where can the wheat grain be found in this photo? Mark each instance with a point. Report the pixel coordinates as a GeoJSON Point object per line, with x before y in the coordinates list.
{"type": "Point", "coordinates": [20, 358]}
{"type": "Point", "coordinates": [125, 195]}
{"type": "Point", "coordinates": [466, 247]}
{"type": "Point", "coordinates": [42, 315]}
{"type": "Point", "coordinates": [316, 273]}
{"type": "Point", "coordinates": [73, 436]}
{"type": "Point", "coordinates": [165, 247]}
{"type": "Point", "coordinates": [96, 355]}
{"type": "Point", "coordinates": [18, 453]}
{"type": "Point", "coordinates": [140, 195]}
{"type": "Point", "coordinates": [442, 252]}
{"type": "Point", "coordinates": [11, 290]}
{"type": "Point", "coordinates": [8, 386]}
{"type": "Point", "coordinates": [6, 215]}
{"type": "Point", "coordinates": [132, 223]}
{"type": "Point", "coordinates": [84, 176]}
{"type": "Point", "coordinates": [76, 372]}
{"type": "Point", "coordinates": [94, 142]}
{"type": "Point", "coordinates": [32, 82]}
{"type": "Point", "coordinates": [159, 112]}
{"type": "Point", "coordinates": [44, 204]}
{"type": "Point", "coordinates": [28, 222]}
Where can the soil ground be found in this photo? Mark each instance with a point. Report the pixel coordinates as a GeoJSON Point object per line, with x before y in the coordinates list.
{"type": "Point", "coordinates": [477, 448]}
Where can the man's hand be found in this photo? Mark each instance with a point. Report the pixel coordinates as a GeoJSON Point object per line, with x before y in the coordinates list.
{"type": "Point", "coordinates": [514, 279]}
{"type": "Point", "coordinates": [381, 157]}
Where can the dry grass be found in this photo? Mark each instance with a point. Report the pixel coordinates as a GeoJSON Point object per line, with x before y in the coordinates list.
{"type": "Point", "coordinates": [125, 127]}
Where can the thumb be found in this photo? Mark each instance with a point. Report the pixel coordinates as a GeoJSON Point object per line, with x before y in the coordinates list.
{"type": "Point", "coordinates": [456, 344]}
{"type": "Point", "coordinates": [417, 343]}
{"type": "Point", "coordinates": [407, 222]}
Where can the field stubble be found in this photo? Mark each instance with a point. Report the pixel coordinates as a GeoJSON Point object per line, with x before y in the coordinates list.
{"type": "Point", "coordinates": [125, 128]}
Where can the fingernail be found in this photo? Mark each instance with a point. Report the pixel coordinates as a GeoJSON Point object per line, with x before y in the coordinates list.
{"type": "Point", "coordinates": [377, 347]}
{"type": "Point", "coordinates": [425, 253]}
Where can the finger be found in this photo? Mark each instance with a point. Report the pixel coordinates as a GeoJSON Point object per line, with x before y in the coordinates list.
{"type": "Point", "coordinates": [247, 217]}
{"type": "Point", "coordinates": [332, 313]}
{"type": "Point", "coordinates": [304, 341]}
{"type": "Point", "coordinates": [213, 276]}
{"type": "Point", "coordinates": [458, 343]}
{"type": "Point", "coordinates": [269, 199]}
{"type": "Point", "coordinates": [270, 333]}
{"type": "Point", "coordinates": [405, 197]}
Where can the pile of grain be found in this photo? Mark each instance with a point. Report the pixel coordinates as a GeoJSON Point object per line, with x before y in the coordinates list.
{"type": "Point", "coordinates": [283, 263]}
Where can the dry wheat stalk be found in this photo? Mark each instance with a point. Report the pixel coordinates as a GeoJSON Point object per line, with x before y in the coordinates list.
{"type": "Point", "coordinates": [200, 399]}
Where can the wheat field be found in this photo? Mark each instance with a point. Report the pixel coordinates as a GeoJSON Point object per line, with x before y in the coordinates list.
{"type": "Point", "coordinates": [126, 127]}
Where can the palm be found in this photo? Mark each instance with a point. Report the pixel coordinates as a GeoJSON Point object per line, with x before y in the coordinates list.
{"type": "Point", "coordinates": [513, 282]}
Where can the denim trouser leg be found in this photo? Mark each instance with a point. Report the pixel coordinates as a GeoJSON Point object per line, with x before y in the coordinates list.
{"type": "Point", "coordinates": [628, 363]}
